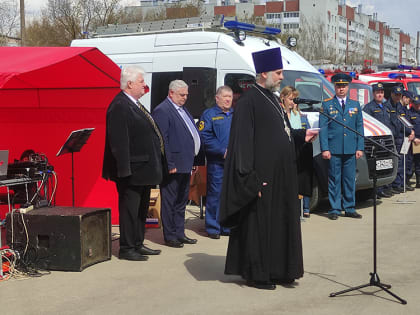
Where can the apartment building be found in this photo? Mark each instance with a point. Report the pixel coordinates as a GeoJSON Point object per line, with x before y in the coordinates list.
{"type": "Point", "coordinates": [345, 31]}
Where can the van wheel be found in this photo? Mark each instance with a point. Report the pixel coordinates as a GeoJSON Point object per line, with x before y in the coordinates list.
{"type": "Point", "coordinates": [316, 195]}
{"type": "Point", "coordinates": [365, 194]}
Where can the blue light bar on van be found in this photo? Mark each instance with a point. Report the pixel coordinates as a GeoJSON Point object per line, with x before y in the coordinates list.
{"type": "Point", "coordinates": [406, 67]}
{"type": "Point", "coordinates": [403, 76]}
{"type": "Point", "coordinates": [322, 71]}
{"type": "Point", "coordinates": [352, 74]}
{"type": "Point", "coordinates": [235, 25]}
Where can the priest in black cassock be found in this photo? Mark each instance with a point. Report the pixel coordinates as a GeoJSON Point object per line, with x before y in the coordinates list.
{"type": "Point", "coordinates": [259, 199]}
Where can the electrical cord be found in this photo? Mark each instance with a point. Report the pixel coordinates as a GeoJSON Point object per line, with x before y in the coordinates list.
{"type": "Point", "coordinates": [55, 187]}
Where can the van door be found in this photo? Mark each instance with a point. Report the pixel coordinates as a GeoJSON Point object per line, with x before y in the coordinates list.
{"type": "Point", "coordinates": [201, 89]}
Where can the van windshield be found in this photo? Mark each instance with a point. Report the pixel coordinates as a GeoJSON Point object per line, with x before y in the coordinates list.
{"type": "Point", "coordinates": [360, 92]}
{"type": "Point", "coordinates": [310, 86]}
{"type": "Point", "coordinates": [414, 87]}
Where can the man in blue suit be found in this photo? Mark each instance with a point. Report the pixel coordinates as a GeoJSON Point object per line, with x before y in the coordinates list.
{"type": "Point", "coordinates": [341, 147]}
{"type": "Point", "coordinates": [182, 143]}
{"type": "Point", "coordinates": [214, 129]}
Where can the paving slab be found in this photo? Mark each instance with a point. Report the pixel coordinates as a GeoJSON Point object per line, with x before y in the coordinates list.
{"type": "Point", "coordinates": [337, 255]}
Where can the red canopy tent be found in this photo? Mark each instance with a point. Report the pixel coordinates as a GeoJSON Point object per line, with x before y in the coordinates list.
{"type": "Point", "coordinates": [47, 92]}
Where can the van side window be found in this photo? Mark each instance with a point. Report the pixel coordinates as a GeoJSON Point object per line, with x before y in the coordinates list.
{"type": "Point", "coordinates": [160, 84]}
{"type": "Point", "coordinates": [239, 83]}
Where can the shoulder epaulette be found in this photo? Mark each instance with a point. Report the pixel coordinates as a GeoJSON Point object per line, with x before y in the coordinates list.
{"type": "Point", "coordinates": [328, 99]}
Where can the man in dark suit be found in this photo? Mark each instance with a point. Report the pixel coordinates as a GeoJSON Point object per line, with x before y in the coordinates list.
{"type": "Point", "coordinates": [182, 143]}
{"type": "Point", "coordinates": [133, 160]}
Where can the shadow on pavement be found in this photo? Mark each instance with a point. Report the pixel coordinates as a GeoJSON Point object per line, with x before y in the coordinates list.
{"type": "Point", "coordinates": [204, 267]}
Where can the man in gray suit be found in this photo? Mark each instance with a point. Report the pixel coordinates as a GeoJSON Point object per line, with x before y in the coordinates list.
{"type": "Point", "coordinates": [133, 159]}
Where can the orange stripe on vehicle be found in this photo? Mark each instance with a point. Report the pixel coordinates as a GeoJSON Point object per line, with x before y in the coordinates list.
{"type": "Point", "coordinates": [376, 130]}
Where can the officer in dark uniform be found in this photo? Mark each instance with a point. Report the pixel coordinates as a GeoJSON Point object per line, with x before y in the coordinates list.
{"type": "Point", "coordinates": [214, 129]}
{"type": "Point", "coordinates": [341, 147]}
{"type": "Point", "coordinates": [414, 117]}
{"type": "Point", "coordinates": [380, 110]}
{"type": "Point", "coordinates": [406, 99]}
{"type": "Point", "coordinates": [396, 110]}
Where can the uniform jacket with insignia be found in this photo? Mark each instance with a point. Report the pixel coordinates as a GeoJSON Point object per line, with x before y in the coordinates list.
{"type": "Point", "coordinates": [214, 130]}
{"type": "Point", "coordinates": [383, 114]}
{"type": "Point", "coordinates": [335, 137]}
{"type": "Point", "coordinates": [413, 117]}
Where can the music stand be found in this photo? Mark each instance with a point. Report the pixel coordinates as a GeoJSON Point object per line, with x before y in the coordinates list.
{"type": "Point", "coordinates": [74, 143]}
{"type": "Point", "coordinates": [374, 278]}
{"type": "Point", "coordinates": [404, 150]}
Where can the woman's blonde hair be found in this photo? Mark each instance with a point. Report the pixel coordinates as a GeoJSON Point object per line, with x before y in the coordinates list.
{"type": "Point", "coordinates": [286, 91]}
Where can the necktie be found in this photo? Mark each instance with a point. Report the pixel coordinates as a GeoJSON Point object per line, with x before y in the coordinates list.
{"type": "Point", "coordinates": [192, 129]}
{"type": "Point", "coordinates": [343, 105]}
{"type": "Point", "coordinates": [155, 127]}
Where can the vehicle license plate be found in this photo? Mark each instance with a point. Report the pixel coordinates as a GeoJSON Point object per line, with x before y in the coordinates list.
{"type": "Point", "coordinates": [383, 164]}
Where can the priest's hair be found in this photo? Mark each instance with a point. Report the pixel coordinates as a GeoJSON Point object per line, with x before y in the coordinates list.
{"type": "Point", "coordinates": [175, 85]}
{"type": "Point", "coordinates": [130, 73]}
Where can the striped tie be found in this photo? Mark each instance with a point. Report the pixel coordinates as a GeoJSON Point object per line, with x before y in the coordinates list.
{"type": "Point", "coordinates": [155, 127]}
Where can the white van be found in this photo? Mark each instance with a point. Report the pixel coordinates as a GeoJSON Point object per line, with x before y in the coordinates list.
{"type": "Point", "coordinates": [207, 59]}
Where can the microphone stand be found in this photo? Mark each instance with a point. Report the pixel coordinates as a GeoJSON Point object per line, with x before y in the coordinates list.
{"type": "Point", "coordinates": [374, 278]}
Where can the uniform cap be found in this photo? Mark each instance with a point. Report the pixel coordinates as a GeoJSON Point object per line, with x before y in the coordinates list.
{"type": "Point", "coordinates": [378, 87]}
{"type": "Point", "coordinates": [397, 89]}
{"type": "Point", "coordinates": [416, 100]}
{"type": "Point", "coordinates": [267, 60]}
{"type": "Point", "coordinates": [408, 94]}
{"type": "Point", "coordinates": [341, 78]}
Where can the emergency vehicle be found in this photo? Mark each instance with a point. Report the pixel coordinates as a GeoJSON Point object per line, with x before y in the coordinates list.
{"type": "Point", "coordinates": [207, 53]}
{"type": "Point", "coordinates": [408, 77]}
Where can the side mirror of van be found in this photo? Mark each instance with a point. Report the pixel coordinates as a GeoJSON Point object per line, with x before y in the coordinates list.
{"type": "Point", "coordinates": [291, 42]}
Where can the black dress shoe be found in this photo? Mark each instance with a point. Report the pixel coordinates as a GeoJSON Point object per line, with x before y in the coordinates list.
{"type": "Point", "coordinates": [396, 190]}
{"type": "Point", "coordinates": [283, 281]}
{"type": "Point", "coordinates": [353, 215]}
{"type": "Point", "coordinates": [187, 240]}
{"type": "Point", "coordinates": [214, 236]}
{"type": "Point", "coordinates": [409, 188]}
{"type": "Point", "coordinates": [384, 194]}
{"type": "Point", "coordinates": [263, 285]}
{"type": "Point", "coordinates": [333, 216]}
{"type": "Point", "coordinates": [174, 243]}
{"type": "Point", "coordinates": [132, 255]}
{"type": "Point", "coordinates": [148, 251]}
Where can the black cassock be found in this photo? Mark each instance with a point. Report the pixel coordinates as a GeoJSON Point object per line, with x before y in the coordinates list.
{"type": "Point", "coordinates": [265, 240]}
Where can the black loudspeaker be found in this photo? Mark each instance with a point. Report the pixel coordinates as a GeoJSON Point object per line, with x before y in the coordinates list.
{"type": "Point", "coordinates": [61, 238]}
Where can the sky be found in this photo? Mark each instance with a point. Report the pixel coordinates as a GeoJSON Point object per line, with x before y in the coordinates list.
{"type": "Point", "coordinates": [404, 14]}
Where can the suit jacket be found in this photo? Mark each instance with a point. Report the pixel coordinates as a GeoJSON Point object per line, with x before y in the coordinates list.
{"type": "Point", "coordinates": [132, 147]}
{"type": "Point", "coordinates": [334, 137]}
{"type": "Point", "coordinates": [179, 143]}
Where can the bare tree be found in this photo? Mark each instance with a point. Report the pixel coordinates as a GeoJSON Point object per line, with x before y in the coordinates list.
{"type": "Point", "coordinates": [184, 10]}
{"type": "Point", "coordinates": [65, 20]}
{"type": "Point", "coordinates": [9, 19]}
{"type": "Point", "coordinates": [313, 41]}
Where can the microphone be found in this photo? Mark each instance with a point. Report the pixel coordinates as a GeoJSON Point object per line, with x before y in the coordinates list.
{"type": "Point", "coordinates": [298, 100]}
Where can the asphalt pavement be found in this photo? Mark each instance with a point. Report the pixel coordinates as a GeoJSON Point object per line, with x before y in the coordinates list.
{"type": "Point", "coordinates": [337, 255]}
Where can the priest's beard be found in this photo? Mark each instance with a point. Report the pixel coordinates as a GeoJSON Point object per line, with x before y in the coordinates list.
{"type": "Point", "coordinates": [272, 85]}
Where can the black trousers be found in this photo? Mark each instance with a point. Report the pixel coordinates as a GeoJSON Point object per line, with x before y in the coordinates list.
{"type": "Point", "coordinates": [133, 204]}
